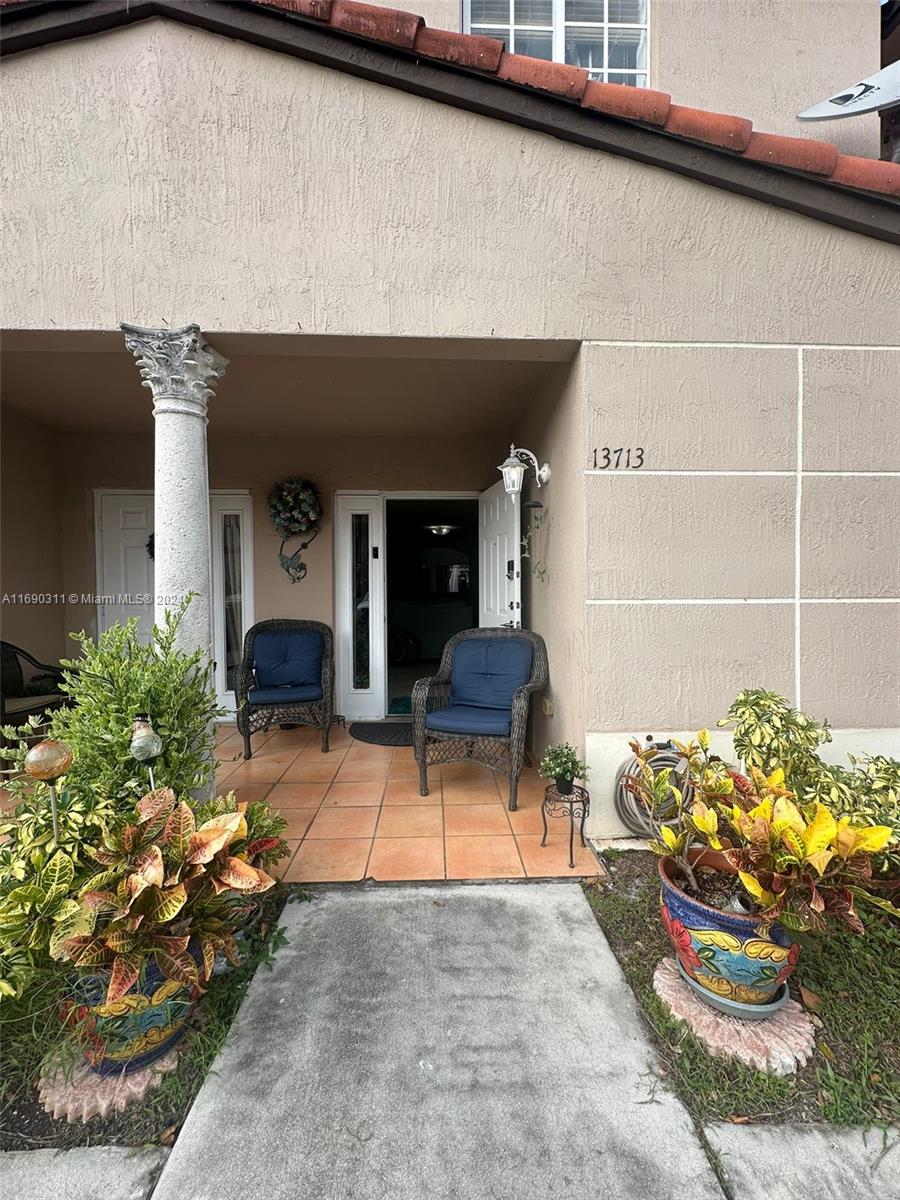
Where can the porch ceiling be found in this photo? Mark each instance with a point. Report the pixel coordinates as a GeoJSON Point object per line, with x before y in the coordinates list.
{"type": "Point", "coordinates": [289, 386]}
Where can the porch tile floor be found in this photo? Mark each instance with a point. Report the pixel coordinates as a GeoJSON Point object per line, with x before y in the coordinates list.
{"type": "Point", "coordinates": [356, 813]}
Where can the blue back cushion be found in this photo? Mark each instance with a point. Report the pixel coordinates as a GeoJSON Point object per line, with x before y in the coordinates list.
{"type": "Point", "coordinates": [288, 658]}
{"type": "Point", "coordinates": [486, 671]}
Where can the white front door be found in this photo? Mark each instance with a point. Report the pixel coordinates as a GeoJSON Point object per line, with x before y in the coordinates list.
{"type": "Point", "coordinates": [499, 559]}
{"type": "Point", "coordinates": [360, 605]}
{"type": "Point", "coordinates": [124, 562]}
{"type": "Point", "coordinates": [125, 572]}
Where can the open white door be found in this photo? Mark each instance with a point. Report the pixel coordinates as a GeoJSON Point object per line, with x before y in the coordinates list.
{"type": "Point", "coordinates": [499, 559]}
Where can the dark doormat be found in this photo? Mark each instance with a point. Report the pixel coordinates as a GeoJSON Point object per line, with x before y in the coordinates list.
{"type": "Point", "coordinates": [383, 733]}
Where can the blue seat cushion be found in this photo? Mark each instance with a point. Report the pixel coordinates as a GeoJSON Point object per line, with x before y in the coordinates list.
{"type": "Point", "coordinates": [285, 695]}
{"type": "Point", "coordinates": [466, 718]}
{"type": "Point", "coordinates": [288, 658]}
{"type": "Point", "coordinates": [487, 671]}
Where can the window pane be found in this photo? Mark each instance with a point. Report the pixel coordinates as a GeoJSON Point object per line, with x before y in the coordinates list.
{"type": "Point", "coordinates": [627, 48]}
{"type": "Point", "coordinates": [533, 12]}
{"type": "Point", "coordinates": [490, 12]}
{"type": "Point", "coordinates": [584, 48]}
{"type": "Point", "coordinates": [538, 45]}
{"type": "Point", "coordinates": [627, 12]}
{"type": "Point", "coordinates": [360, 598]}
{"type": "Point", "coordinates": [584, 10]}
{"type": "Point", "coordinates": [636, 80]}
{"type": "Point", "coordinates": [502, 35]}
{"type": "Point", "coordinates": [233, 600]}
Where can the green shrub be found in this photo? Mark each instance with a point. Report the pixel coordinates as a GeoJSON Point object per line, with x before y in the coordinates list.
{"type": "Point", "coordinates": [562, 762]}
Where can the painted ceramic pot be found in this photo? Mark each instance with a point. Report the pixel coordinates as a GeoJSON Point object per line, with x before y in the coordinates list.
{"type": "Point", "coordinates": [728, 954]}
{"type": "Point", "coordinates": [133, 1032]}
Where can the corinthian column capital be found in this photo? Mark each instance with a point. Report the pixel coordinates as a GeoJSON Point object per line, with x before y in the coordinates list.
{"type": "Point", "coordinates": [178, 366]}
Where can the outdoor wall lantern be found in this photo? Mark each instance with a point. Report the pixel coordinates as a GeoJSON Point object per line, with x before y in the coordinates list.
{"type": "Point", "coordinates": [513, 470]}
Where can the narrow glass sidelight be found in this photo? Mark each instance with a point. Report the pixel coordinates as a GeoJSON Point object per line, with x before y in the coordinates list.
{"type": "Point", "coordinates": [360, 599]}
{"type": "Point", "coordinates": [232, 595]}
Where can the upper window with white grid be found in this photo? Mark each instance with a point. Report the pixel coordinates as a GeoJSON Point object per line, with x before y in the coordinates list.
{"type": "Point", "coordinates": [608, 37]}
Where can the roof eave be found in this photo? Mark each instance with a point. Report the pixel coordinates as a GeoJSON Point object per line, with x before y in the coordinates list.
{"type": "Point", "coordinates": [37, 23]}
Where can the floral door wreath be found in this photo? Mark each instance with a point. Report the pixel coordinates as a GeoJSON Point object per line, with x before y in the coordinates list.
{"type": "Point", "coordinates": [296, 509]}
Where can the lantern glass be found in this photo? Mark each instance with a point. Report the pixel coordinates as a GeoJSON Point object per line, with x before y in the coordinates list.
{"type": "Point", "coordinates": [513, 472]}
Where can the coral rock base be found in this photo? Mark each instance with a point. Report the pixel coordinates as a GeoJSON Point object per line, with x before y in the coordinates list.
{"type": "Point", "coordinates": [779, 1045]}
{"type": "Point", "coordinates": [81, 1094]}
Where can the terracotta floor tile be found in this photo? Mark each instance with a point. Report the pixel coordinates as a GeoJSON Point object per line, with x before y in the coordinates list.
{"type": "Point", "coordinates": [223, 772]}
{"type": "Point", "coordinates": [465, 791]}
{"type": "Point", "coordinates": [406, 791]}
{"type": "Point", "coordinates": [403, 754]}
{"type": "Point", "coordinates": [469, 820]}
{"type": "Point", "coordinates": [247, 793]}
{"type": "Point", "coordinates": [464, 770]}
{"type": "Point", "coordinates": [401, 769]}
{"type": "Point", "coordinates": [527, 817]}
{"type": "Point", "coordinates": [279, 871]}
{"type": "Point", "coordinates": [553, 859]}
{"type": "Point", "coordinates": [340, 860]}
{"type": "Point", "coordinates": [258, 770]}
{"type": "Point", "coordinates": [298, 821]}
{"type": "Point", "coordinates": [297, 795]}
{"type": "Point", "coordinates": [410, 820]}
{"type": "Point", "coordinates": [314, 752]}
{"type": "Point", "coordinates": [307, 770]}
{"type": "Point", "coordinates": [360, 770]}
{"type": "Point", "coordinates": [365, 751]}
{"type": "Point", "coordinates": [295, 739]}
{"type": "Point", "coordinates": [343, 823]}
{"type": "Point", "coordinates": [483, 858]}
{"type": "Point", "coordinates": [354, 795]}
{"type": "Point", "coordinates": [407, 858]}
{"type": "Point", "coordinates": [225, 731]}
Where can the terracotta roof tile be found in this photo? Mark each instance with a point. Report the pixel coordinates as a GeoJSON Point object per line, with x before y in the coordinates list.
{"type": "Point", "coordinates": [371, 21]}
{"type": "Point", "coordinates": [558, 78]}
{"type": "Point", "coordinates": [465, 50]}
{"type": "Point", "coordinates": [868, 174]}
{"type": "Point", "coordinates": [486, 56]}
{"type": "Point", "coordinates": [718, 129]}
{"type": "Point", "coordinates": [802, 154]}
{"type": "Point", "coordinates": [632, 103]}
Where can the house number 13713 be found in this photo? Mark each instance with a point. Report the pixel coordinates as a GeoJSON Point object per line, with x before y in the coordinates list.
{"type": "Point", "coordinates": [606, 459]}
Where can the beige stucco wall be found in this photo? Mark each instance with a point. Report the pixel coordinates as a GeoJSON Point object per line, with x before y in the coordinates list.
{"type": "Point", "coordinates": [769, 60]}
{"type": "Point", "coordinates": [553, 575]}
{"type": "Point", "coordinates": [30, 538]}
{"type": "Point", "coordinates": [207, 180]}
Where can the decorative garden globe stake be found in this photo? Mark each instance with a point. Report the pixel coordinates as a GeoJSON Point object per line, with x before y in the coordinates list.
{"type": "Point", "coordinates": [47, 762]}
{"type": "Point", "coordinates": [146, 744]}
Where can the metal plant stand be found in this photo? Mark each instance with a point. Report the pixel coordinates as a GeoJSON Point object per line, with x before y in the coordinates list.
{"type": "Point", "coordinates": [575, 806]}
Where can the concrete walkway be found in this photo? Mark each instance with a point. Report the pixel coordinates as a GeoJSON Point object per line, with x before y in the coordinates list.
{"type": "Point", "coordinates": [450, 1042]}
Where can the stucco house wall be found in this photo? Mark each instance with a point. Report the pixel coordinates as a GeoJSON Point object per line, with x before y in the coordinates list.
{"type": "Point", "coordinates": [277, 196]}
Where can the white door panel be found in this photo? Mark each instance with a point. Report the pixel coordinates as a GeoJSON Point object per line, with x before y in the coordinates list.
{"type": "Point", "coordinates": [360, 609]}
{"type": "Point", "coordinates": [499, 559]}
{"type": "Point", "coordinates": [125, 568]}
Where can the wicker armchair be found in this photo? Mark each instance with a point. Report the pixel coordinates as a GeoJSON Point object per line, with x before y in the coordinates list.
{"type": "Point", "coordinates": [21, 697]}
{"type": "Point", "coordinates": [458, 719]}
{"type": "Point", "coordinates": [286, 677]}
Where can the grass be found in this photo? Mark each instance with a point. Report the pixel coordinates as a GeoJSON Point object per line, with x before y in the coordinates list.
{"type": "Point", "coordinates": [30, 1032]}
{"type": "Point", "coordinates": [854, 1076]}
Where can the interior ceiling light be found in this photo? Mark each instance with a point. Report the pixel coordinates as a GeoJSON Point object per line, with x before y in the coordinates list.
{"type": "Point", "coordinates": [440, 530]}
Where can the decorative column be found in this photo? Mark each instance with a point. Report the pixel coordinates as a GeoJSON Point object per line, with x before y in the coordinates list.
{"type": "Point", "coordinates": [180, 369]}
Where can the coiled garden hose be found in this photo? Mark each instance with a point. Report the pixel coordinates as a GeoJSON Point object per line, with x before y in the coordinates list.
{"type": "Point", "coordinates": [629, 809]}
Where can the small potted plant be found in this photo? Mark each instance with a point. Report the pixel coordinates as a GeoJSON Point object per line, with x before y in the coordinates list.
{"type": "Point", "coordinates": [743, 868]}
{"type": "Point", "coordinates": [562, 764]}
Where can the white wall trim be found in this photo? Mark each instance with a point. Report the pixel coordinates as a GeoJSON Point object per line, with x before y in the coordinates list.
{"type": "Point", "coordinates": [676, 345]}
{"type": "Point", "coordinates": [757, 600]}
{"type": "Point", "coordinates": [798, 541]}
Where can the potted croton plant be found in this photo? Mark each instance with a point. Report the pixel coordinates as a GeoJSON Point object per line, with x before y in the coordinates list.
{"type": "Point", "coordinates": [562, 764]}
{"type": "Point", "coordinates": [743, 869]}
{"type": "Point", "coordinates": [154, 918]}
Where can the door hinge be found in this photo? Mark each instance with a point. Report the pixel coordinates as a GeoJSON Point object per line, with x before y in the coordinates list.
{"type": "Point", "coordinates": [374, 551]}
